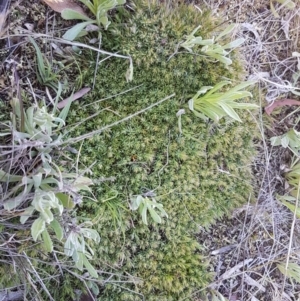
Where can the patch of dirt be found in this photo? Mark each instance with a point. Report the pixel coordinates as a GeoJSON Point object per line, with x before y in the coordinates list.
{"type": "Point", "coordinates": [18, 59]}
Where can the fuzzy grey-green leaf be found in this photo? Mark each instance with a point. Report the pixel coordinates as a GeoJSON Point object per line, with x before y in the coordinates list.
{"type": "Point", "coordinates": [37, 228]}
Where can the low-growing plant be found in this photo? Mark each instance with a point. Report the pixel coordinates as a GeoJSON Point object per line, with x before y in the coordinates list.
{"type": "Point", "coordinates": [291, 200]}
{"type": "Point", "coordinates": [145, 204]}
{"type": "Point", "coordinates": [290, 139]}
{"type": "Point", "coordinates": [293, 175]}
{"type": "Point", "coordinates": [45, 74]}
{"type": "Point", "coordinates": [76, 244]}
{"type": "Point", "coordinates": [211, 47]}
{"type": "Point", "coordinates": [99, 9]}
{"type": "Point", "coordinates": [41, 192]}
{"type": "Point", "coordinates": [215, 104]}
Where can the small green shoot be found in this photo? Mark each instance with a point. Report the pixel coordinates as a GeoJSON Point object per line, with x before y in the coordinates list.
{"type": "Point", "coordinates": [290, 140]}
{"type": "Point", "coordinates": [215, 105]}
{"type": "Point", "coordinates": [98, 8]}
{"type": "Point", "coordinates": [292, 271]}
{"type": "Point", "coordinates": [293, 176]}
{"type": "Point", "coordinates": [45, 74]}
{"type": "Point", "coordinates": [145, 204]}
{"type": "Point", "coordinates": [75, 246]}
{"type": "Point", "coordinates": [210, 46]}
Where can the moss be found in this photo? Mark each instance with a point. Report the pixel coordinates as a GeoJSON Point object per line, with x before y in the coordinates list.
{"type": "Point", "coordinates": [198, 176]}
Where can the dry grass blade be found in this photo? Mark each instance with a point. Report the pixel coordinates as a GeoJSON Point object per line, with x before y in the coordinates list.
{"type": "Point", "coordinates": [3, 15]}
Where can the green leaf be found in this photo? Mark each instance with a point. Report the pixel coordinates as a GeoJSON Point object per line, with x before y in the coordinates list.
{"type": "Point", "coordinates": [57, 97]}
{"type": "Point", "coordinates": [292, 207]}
{"type": "Point", "coordinates": [163, 213]}
{"type": "Point", "coordinates": [200, 115]}
{"type": "Point", "coordinates": [104, 21]}
{"type": "Point", "coordinates": [136, 202]}
{"type": "Point", "coordinates": [51, 180]}
{"type": "Point", "coordinates": [286, 198]}
{"type": "Point", "coordinates": [217, 87]}
{"type": "Point", "coordinates": [90, 5]}
{"type": "Point", "coordinates": [37, 228]}
{"type": "Point", "coordinates": [194, 31]}
{"type": "Point", "coordinates": [4, 134]}
{"type": "Point", "coordinates": [26, 214]}
{"type": "Point", "coordinates": [48, 244]}
{"type": "Point", "coordinates": [216, 104]}
{"type": "Point", "coordinates": [225, 32]}
{"type": "Point", "coordinates": [40, 60]}
{"type": "Point", "coordinates": [66, 200]}
{"type": "Point", "coordinates": [242, 86]}
{"type": "Point", "coordinates": [82, 183]}
{"type": "Point", "coordinates": [220, 58]}
{"type": "Point", "coordinates": [292, 270]}
{"type": "Point", "coordinates": [16, 201]}
{"type": "Point", "coordinates": [234, 44]}
{"type": "Point", "coordinates": [69, 246]}
{"type": "Point", "coordinates": [70, 14]}
{"type": "Point", "coordinates": [240, 105]}
{"type": "Point", "coordinates": [94, 287]}
{"type": "Point", "coordinates": [154, 215]}
{"type": "Point", "coordinates": [287, 3]}
{"type": "Point", "coordinates": [37, 179]}
{"type": "Point", "coordinates": [230, 112]}
{"type": "Point", "coordinates": [285, 141]}
{"type": "Point", "coordinates": [91, 234]}
{"type": "Point", "coordinates": [191, 104]}
{"type": "Point", "coordinates": [55, 225]}
{"type": "Point", "coordinates": [74, 32]}
{"type": "Point", "coordinates": [19, 135]}
{"type": "Point", "coordinates": [65, 111]}
{"type": "Point", "coordinates": [144, 214]}
{"type": "Point", "coordinates": [79, 261]}
{"type": "Point", "coordinates": [200, 41]}
{"type": "Point", "coordinates": [275, 141]}
{"type": "Point", "coordinates": [6, 177]}
{"type": "Point", "coordinates": [89, 267]}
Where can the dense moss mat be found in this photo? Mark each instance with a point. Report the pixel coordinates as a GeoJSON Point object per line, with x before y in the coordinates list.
{"type": "Point", "coordinates": [198, 176]}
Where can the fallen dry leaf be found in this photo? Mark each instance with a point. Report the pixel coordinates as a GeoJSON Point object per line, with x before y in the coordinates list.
{"type": "Point", "coordinates": [280, 103]}
{"type": "Point", "coordinates": [60, 5]}
{"type": "Point", "coordinates": [75, 96]}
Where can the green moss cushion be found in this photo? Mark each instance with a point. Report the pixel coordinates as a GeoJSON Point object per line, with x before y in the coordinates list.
{"type": "Point", "coordinates": [198, 175]}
